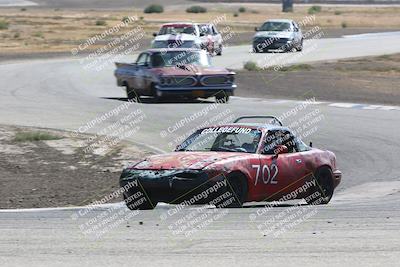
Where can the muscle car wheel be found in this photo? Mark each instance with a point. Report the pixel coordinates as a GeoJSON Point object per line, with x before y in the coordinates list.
{"type": "Point", "coordinates": [222, 98]}
{"type": "Point", "coordinates": [237, 186]}
{"type": "Point", "coordinates": [130, 93]}
{"type": "Point", "coordinates": [324, 186]}
{"type": "Point", "coordinates": [143, 203]}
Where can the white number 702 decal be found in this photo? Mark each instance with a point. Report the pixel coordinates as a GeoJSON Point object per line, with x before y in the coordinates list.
{"type": "Point", "coordinates": [268, 173]}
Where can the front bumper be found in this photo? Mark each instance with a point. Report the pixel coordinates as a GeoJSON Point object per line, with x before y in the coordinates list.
{"type": "Point", "coordinates": [264, 44]}
{"type": "Point", "coordinates": [173, 186]}
{"type": "Point", "coordinates": [337, 177]}
{"type": "Point", "coordinates": [196, 91]}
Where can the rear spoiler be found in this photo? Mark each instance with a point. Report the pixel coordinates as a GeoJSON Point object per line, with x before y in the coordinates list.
{"type": "Point", "coordinates": [274, 119]}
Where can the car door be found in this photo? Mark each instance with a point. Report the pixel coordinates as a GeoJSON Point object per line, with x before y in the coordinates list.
{"type": "Point", "coordinates": [139, 79]}
{"type": "Point", "coordinates": [280, 173]}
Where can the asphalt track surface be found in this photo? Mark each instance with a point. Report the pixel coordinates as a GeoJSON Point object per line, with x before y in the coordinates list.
{"type": "Point", "coordinates": [359, 228]}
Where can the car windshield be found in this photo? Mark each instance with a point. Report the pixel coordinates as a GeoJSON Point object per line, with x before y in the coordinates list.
{"type": "Point", "coordinates": [174, 44]}
{"type": "Point", "coordinates": [205, 29]}
{"type": "Point", "coordinates": [175, 29]}
{"type": "Point", "coordinates": [273, 26]}
{"type": "Point", "coordinates": [225, 138]}
{"type": "Point", "coordinates": [180, 58]}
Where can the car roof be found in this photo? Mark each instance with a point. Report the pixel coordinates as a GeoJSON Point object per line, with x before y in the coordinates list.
{"type": "Point", "coordinates": [280, 20]}
{"type": "Point", "coordinates": [163, 50]}
{"type": "Point", "coordinates": [262, 126]}
{"type": "Point", "coordinates": [179, 23]}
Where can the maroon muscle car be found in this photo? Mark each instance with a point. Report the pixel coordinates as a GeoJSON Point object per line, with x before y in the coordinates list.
{"type": "Point", "coordinates": [183, 72]}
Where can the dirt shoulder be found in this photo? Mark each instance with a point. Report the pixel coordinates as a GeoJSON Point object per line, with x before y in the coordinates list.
{"type": "Point", "coordinates": [60, 171]}
{"type": "Point", "coordinates": [373, 80]}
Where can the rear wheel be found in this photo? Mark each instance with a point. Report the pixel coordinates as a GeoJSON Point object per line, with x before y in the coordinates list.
{"type": "Point", "coordinates": [323, 186]}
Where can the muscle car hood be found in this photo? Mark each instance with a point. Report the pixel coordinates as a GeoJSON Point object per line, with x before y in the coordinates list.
{"type": "Point", "coordinates": [190, 70]}
{"type": "Point", "coordinates": [283, 34]}
{"type": "Point", "coordinates": [183, 160]}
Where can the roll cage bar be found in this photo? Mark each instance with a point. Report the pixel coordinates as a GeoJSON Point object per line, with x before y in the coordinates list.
{"type": "Point", "coordinates": [274, 120]}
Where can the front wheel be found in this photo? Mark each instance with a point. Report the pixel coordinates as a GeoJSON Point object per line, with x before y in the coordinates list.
{"type": "Point", "coordinates": [300, 47]}
{"type": "Point", "coordinates": [237, 187]}
{"type": "Point", "coordinates": [219, 50]}
{"type": "Point", "coordinates": [155, 93]}
{"type": "Point", "coordinates": [222, 98]}
{"type": "Point", "coordinates": [139, 203]}
{"type": "Point", "coordinates": [130, 93]}
{"type": "Point", "coordinates": [323, 190]}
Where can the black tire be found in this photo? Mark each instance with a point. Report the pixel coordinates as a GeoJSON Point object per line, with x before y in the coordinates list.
{"type": "Point", "coordinates": [148, 204]}
{"type": "Point", "coordinates": [154, 94]}
{"type": "Point", "coordinates": [237, 186]}
{"type": "Point", "coordinates": [300, 47]}
{"type": "Point", "coordinates": [222, 98]}
{"type": "Point", "coordinates": [130, 93]}
{"type": "Point", "coordinates": [219, 51]}
{"type": "Point", "coordinates": [257, 50]}
{"type": "Point", "coordinates": [324, 186]}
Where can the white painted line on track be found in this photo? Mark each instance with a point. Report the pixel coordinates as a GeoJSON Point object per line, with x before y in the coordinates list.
{"type": "Point", "coordinates": [336, 104]}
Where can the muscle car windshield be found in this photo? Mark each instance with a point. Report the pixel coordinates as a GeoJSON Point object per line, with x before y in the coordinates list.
{"type": "Point", "coordinates": [179, 58]}
{"type": "Point", "coordinates": [271, 26]}
{"type": "Point", "coordinates": [227, 139]}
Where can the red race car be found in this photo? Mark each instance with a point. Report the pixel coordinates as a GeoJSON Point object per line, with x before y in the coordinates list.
{"type": "Point", "coordinates": [243, 161]}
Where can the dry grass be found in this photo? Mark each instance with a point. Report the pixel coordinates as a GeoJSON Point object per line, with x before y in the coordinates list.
{"type": "Point", "coordinates": [50, 30]}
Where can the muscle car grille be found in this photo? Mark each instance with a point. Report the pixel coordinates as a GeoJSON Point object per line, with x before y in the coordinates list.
{"type": "Point", "coordinates": [178, 81]}
{"type": "Point", "coordinates": [215, 80]}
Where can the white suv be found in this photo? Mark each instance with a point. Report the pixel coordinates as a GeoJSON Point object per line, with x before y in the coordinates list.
{"type": "Point", "coordinates": [278, 34]}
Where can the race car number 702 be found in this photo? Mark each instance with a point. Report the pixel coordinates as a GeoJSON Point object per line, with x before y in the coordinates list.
{"type": "Point", "coordinates": [268, 173]}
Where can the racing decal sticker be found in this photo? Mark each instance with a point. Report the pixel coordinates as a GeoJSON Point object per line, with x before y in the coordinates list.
{"type": "Point", "coordinates": [226, 130]}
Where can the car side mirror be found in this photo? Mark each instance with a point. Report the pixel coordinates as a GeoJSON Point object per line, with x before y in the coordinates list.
{"type": "Point", "coordinates": [154, 34]}
{"type": "Point", "coordinates": [256, 29]}
{"type": "Point", "coordinates": [310, 144]}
